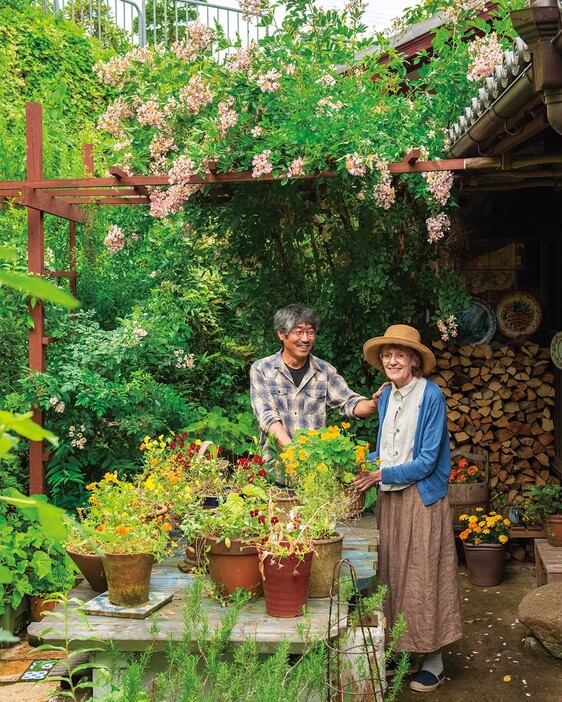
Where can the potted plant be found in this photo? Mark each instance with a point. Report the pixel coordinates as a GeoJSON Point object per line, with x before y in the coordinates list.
{"type": "Point", "coordinates": [32, 562]}
{"type": "Point", "coordinates": [545, 505]}
{"type": "Point", "coordinates": [468, 489]}
{"type": "Point", "coordinates": [321, 505]}
{"type": "Point", "coordinates": [285, 561]}
{"type": "Point", "coordinates": [484, 538]}
{"type": "Point", "coordinates": [57, 576]}
{"type": "Point", "coordinates": [225, 535]}
{"type": "Point", "coordinates": [81, 550]}
{"type": "Point", "coordinates": [121, 525]}
{"type": "Point", "coordinates": [329, 450]}
{"type": "Point", "coordinates": [178, 470]}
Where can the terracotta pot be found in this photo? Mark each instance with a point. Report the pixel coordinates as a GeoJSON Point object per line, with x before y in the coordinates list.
{"type": "Point", "coordinates": [464, 499]}
{"type": "Point", "coordinates": [128, 577]}
{"type": "Point", "coordinates": [283, 504]}
{"type": "Point", "coordinates": [91, 567]}
{"type": "Point", "coordinates": [285, 584]}
{"type": "Point", "coordinates": [38, 606]}
{"type": "Point", "coordinates": [327, 552]}
{"type": "Point", "coordinates": [234, 566]}
{"type": "Point", "coordinates": [485, 563]}
{"type": "Point", "coordinates": [554, 529]}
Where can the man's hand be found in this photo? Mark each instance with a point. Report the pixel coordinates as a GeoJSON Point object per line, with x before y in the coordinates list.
{"type": "Point", "coordinates": [367, 479]}
{"type": "Point", "coordinates": [378, 393]}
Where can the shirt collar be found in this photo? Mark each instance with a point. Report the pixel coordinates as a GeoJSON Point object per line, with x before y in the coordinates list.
{"type": "Point", "coordinates": [407, 389]}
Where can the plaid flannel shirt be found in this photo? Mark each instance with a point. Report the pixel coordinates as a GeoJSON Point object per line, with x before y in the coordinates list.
{"type": "Point", "coordinates": [276, 399]}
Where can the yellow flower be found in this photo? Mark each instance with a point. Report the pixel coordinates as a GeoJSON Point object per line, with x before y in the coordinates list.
{"type": "Point", "coordinates": [149, 483]}
{"type": "Point", "coordinates": [507, 522]}
{"type": "Point", "coordinates": [502, 539]}
{"type": "Point", "coordinates": [197, 442]}
{"type": "Point", "coordinates": [345, 425]}
{"type": "Point", "coordinates": [322, 468]}
{"type": "Point", "coordinates": [463, 518]}
{"type": "Point", "coordinates": [303, 455]}
{"type": "Point", "coordinates": [313, 432]}
{"type": "Point", "coordinates": [480, 509]}
{"type": "Point", "coordinates": [146, 439]}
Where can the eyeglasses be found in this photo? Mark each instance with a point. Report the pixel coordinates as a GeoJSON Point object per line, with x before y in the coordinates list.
{"type": "Point", "coordinates": [299, 333]}
{"type": "Point", "coordinates": [398, 355]}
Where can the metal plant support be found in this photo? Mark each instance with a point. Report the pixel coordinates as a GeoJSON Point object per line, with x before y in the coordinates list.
{"type": "Point", "coordinates": [348, 681]}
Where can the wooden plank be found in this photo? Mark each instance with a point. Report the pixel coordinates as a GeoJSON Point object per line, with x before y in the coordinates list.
{"type": "Point", "coordinates": [40, 200]}
{"type": "Point", "coordinates": [548, 562]}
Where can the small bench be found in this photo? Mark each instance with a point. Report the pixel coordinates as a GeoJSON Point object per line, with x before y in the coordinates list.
{"type": "Point", "coordinates": [548, 562]}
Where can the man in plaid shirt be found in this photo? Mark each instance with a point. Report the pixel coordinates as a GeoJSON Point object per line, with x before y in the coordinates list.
{"type": "Point", "coordinates": [292, 389]}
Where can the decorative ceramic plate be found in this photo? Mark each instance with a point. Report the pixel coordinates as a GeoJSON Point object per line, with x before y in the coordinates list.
{"type": "Point", "coordinates": [477, 324]}
{"type": "Point", "coordinates": [519, 315]}
{"type": "Point", "coordinates": [556, 350]}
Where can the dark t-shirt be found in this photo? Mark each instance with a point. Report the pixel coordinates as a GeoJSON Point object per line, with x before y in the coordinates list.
{"type": "Point", "coordinates": [298, 373]}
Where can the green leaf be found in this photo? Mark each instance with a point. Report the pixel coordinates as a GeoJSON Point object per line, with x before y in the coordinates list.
{"type": "Point", "coordinates": [38, 287]}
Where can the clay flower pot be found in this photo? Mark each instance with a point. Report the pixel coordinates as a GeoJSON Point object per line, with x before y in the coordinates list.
{"type": "Point", "coordinates": [553, 524]}
{"type": "Point", "coordinates": [286, 582]}
{"type": "Point", "coordinates": [91, 567]}
{"type": "Point", "coordinates": [234, 566]}
{"type": "Point", "coordinates": [485, 563]}
{"type": "Point", "coordinates": [38, 606]}
{"type": "Point", "coordinates": [327, 552]}
{"type": "Point", "coordinates": [128, 578]}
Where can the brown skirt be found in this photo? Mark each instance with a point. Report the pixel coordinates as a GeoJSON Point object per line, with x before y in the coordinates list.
{"type": "Point", "coordinates": [418, 563]}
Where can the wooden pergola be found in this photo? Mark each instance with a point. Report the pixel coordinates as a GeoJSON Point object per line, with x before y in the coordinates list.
{"type": "Point", "coordinates": [62, 197]}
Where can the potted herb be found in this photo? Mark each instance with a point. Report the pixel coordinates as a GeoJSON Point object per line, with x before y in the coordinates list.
{"type": "Point", "coordinates": [546, 506]}
{"type": "Point", "coordinates": [484, 538]}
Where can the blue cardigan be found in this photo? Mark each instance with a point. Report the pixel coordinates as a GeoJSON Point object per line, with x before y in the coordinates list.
{"type": "Point", "coordinates": [431, 464]}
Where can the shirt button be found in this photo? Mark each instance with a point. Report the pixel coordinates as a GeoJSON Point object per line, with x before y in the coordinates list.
{"type": "Point", "coordinates": [396, 453]}
{"type": "Point", "coordinates": [397, 431]}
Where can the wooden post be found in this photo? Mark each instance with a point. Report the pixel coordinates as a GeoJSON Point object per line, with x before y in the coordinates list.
{"type": "Point", "coordinates": [35, 258]}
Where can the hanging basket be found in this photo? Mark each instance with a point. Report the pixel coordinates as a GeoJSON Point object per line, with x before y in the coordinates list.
{"type": "Point", "coordinates": [485, 563]}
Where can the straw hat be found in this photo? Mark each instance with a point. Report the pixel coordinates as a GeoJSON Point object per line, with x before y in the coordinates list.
{"type": "Point", "coordinates": [398, 335]}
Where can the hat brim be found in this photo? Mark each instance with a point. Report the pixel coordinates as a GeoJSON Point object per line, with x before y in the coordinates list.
{"type": "Point", "coordinates": [372, 347]}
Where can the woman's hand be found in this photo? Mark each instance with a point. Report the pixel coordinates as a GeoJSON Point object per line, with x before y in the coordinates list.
{"type": "Point", "coordinates": [367, 479]}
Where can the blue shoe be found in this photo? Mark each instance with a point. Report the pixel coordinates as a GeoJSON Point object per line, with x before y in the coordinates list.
{"type": "Point", "coordinates": [426, 681]}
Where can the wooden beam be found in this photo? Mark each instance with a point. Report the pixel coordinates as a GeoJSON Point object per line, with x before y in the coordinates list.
{"type": "Point", "coordinates": [35, 263]}
{"type": "Point", "coordinates": [42, 201]}
{"type": "Point", "coordinates": [123, 175]}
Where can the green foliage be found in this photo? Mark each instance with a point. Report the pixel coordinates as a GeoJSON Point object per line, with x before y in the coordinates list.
{"type": "Point", "coordinates": [33, 560]}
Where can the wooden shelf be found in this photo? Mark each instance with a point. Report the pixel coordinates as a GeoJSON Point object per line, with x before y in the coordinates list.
{"type": "Point", "coordinates": [521, 532]}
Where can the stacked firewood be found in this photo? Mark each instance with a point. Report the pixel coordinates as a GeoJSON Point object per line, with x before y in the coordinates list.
{"type": "Point", "coordinates": [500, 399]}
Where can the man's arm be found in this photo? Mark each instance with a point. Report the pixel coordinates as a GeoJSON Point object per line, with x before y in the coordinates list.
{"type": "Point", "coordinates": [366, 408]}
{"type": "Point", "coordinates": [265, 408]}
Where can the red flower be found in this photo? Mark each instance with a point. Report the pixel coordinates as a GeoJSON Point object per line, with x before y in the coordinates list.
{"type": "Point", "coordinates": [262, 473]}
{"type": "Point", "coordinates": [261, 519]}
{"type": "Point", "coordinates": [275, 520]}
{"type": "Point", "coordinates": [251, 477]}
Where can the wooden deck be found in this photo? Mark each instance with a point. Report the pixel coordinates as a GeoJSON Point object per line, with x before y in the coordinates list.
{"type": "Point", "coordinates": [360, 547]}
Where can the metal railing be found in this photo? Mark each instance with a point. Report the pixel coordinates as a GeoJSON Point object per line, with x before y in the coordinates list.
{"type": "Point", "coordinates": [144, 22]}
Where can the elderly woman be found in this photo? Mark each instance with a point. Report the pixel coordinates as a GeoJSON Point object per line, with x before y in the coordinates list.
{"type": "Point", "coordinates": [417, 556]}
